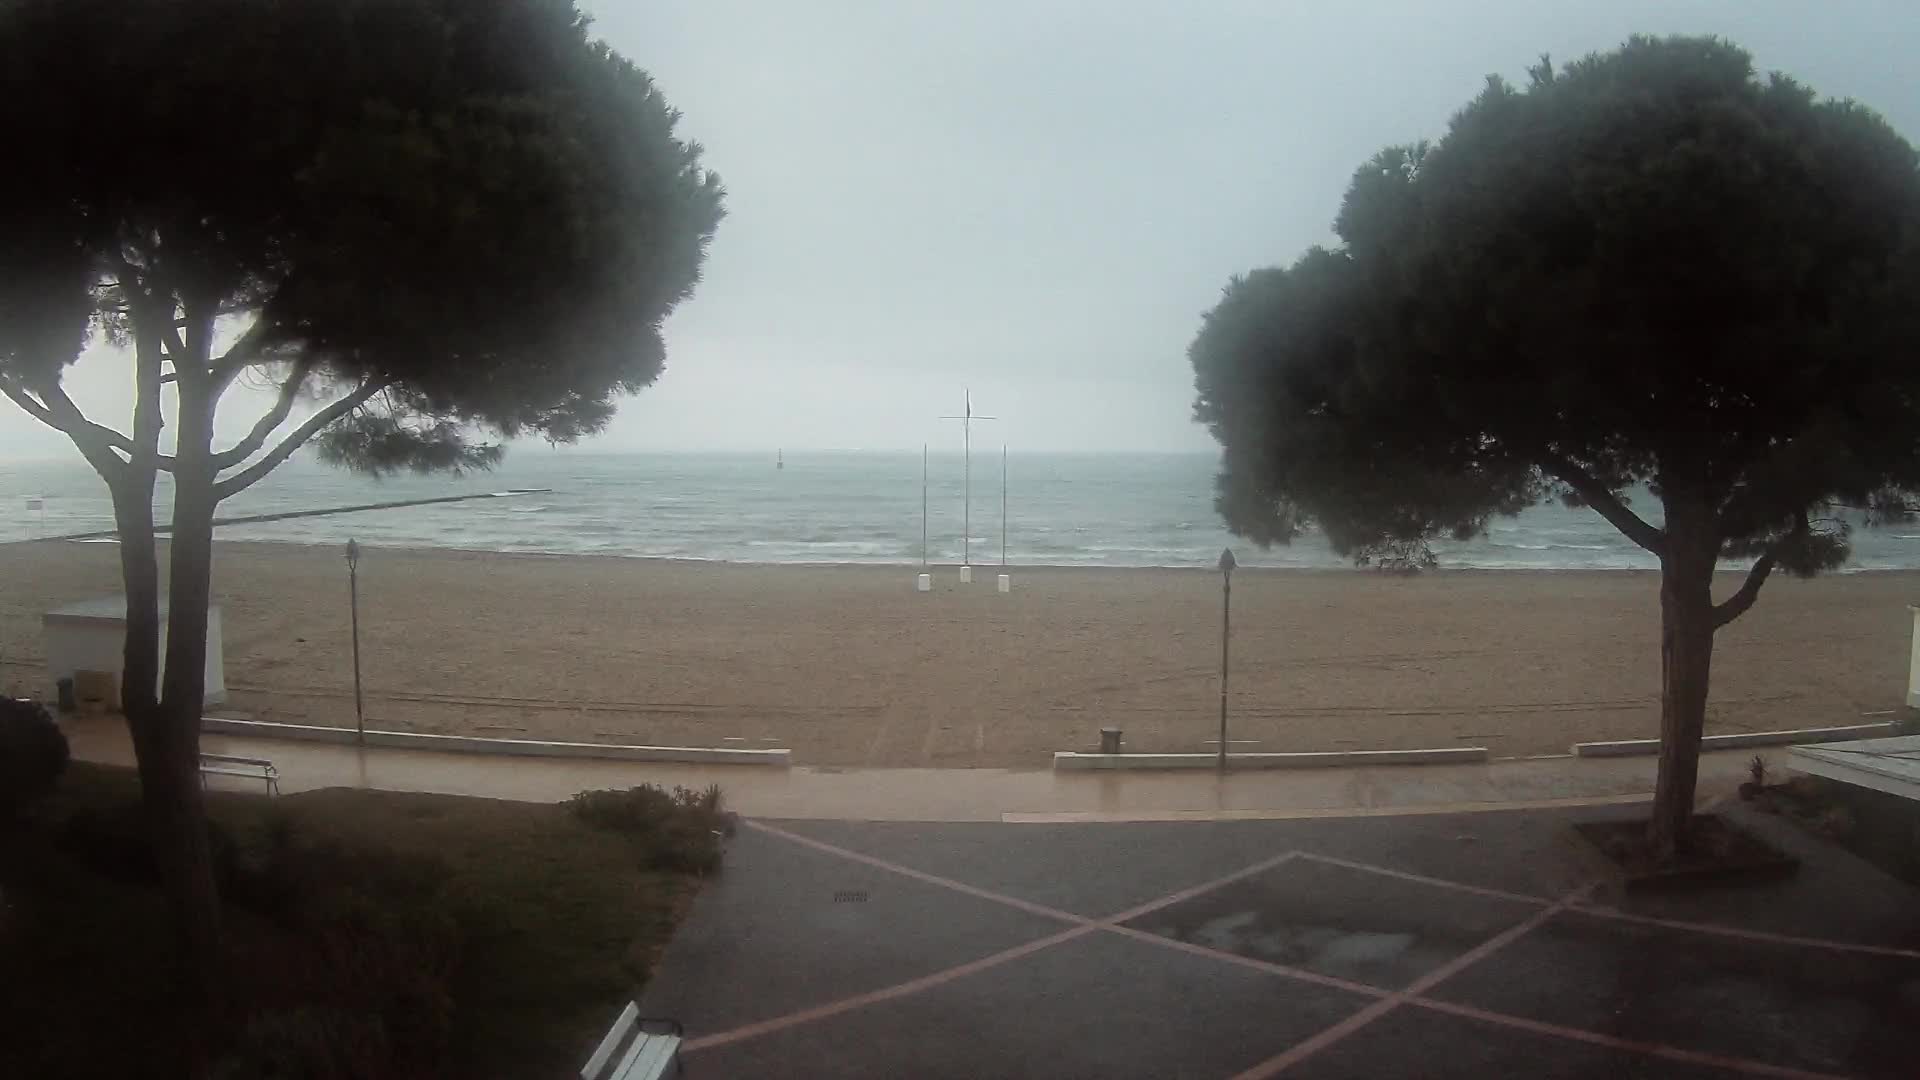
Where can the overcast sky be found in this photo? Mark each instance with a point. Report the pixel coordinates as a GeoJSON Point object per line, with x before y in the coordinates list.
{"type": "Point", "coordinates": [1037, 199]}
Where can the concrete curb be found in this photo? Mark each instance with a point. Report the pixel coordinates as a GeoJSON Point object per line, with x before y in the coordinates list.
{"type": "Point", "coordinates": [1068, 760]}
{"type": "Point", "coordinates": [1633, 747]}
{"type": "Point", "coordinates": [407, 740]}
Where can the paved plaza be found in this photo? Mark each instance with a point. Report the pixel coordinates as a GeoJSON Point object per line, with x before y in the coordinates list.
{"type": "Point", "coordinates": [1439, 945]}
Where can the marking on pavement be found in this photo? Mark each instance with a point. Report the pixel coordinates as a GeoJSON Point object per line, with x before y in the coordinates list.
{"type": "Point", "coordinates": [1385, 1001]}
{"type": "Point", "coordinates": [1301, 1051]}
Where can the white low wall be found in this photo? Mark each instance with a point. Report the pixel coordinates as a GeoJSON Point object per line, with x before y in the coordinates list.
{"type": "Point", "coordinates": [1451, 755]}
{"type": "Point", "coordinates": [1632, 747]}
{"type": "Point", "coordinates": [408, 740]}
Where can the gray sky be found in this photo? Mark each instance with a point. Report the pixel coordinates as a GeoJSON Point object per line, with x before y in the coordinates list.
{"type": "Point", "coordinates": [1037, 198]}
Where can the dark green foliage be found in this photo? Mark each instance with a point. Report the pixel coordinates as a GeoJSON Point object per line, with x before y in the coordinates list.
{"type": "Point", "coordinates": [358, 984]}
{"type": "Point", "coordinates": [473, 205]}
{"type": "Point", "coordinates": [1649, 268]}
{"type": "Point", "coordinates": [33, 754]}
{"type": "Point", "coordinates": [681, 831]}
{"type": "Point", "coordinates": [369, 935]}
{"type": "Point", "coordinates": [435, 223]}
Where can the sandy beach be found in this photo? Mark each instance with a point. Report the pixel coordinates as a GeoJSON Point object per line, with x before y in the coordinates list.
{"type": "Point", "coordinates": [850, 666]}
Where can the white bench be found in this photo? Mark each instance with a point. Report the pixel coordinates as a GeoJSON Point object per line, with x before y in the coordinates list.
{"type": "Point", "coordinates": [251, 768]}
{"type": "Point", "coordinates": [631, 1052]}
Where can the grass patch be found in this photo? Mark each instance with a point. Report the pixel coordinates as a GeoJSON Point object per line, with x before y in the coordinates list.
{"type": "Point", "coordinates": [369, 933]}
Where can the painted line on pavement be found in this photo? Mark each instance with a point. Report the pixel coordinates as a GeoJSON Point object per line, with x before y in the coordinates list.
{"type": "Point", "coordinates": [914, 986]}
{"type": "Point", "coordinates": [1385, 1000]}
{"type": "Point", "coordinates": [1765, 936]}
{"type": "Point", "coordinates": [918, 875]}
{"type": "Point", "coordinates": [1611, 1042]}
{"type": "Point", "coordinates": [1422, 879]}
{"type": "Point", "coordinates": [1301, 1051]}
{"type": "Point", "coordinates": [1603, 911]}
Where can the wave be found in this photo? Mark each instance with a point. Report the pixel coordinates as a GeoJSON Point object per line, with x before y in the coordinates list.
{"type": "Point", "coordinates": [1066, 510]}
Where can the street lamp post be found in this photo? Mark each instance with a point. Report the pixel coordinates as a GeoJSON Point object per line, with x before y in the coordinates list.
{"type": "Point", "coordinates": [353, 603]}
{"type": "Point", "coordinates": [1226, 632]}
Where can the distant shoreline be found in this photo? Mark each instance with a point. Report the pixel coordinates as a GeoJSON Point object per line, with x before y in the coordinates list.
{"type": "Point", "coordinates": [982, 566]}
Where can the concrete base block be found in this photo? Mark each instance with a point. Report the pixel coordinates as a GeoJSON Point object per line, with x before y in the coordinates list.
{"type": "Point", "coordinates": [1065, 760]}
{"type": "Point", "coordinates": [408, 740]}
{"type": "Point", "coordinates": [1633, 747]}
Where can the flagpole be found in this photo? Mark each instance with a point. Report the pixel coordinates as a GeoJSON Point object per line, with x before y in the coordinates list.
{"type": "Point", "coordinates": [966, 419]}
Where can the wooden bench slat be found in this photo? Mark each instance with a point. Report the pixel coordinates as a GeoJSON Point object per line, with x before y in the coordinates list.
{"type": "Point", "coordinates": [604, 1052]}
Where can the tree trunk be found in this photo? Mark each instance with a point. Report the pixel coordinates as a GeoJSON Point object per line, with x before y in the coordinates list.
{"type": "Point", "coordinates": [1686, 663]}
{"type": "Point", "coordinates": [172, 782]}
{"type": "Point", "coordinates": [140, 578]}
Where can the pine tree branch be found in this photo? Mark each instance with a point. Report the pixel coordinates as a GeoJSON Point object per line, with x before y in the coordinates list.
{"type": "Point", "coordinates": [267, 424]}
{"type": "Point", "coordinates": [31, 407]}
{"type": "Point", "coordinates": [1605, 502]}
{"type": "Point", "coordinates": [334, 410]}
{"type": "Point", "coordinates": [96, 443]}
{"type": "Point", "coordinates": [244, 352]}
{"type": "Point", "coordinates": [56, 410]}
{"type": "Point", "coordinates": [1737, 605]}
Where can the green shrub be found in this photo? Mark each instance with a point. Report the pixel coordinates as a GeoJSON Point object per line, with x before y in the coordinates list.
{"type": "Point", "coordinates": [681, 831]}
{"type": "Point", "coordinates": [115, 841]}
{"type": "Point", "coordinates": [356, 982]}
{"type": "Point", "coordinates": [308, 1043]}
{"type": "Point", "coordinates": [33, 754]}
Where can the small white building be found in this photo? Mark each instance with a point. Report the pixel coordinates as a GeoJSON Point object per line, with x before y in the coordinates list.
{"type": "Point", "coordinates": [92, 636]}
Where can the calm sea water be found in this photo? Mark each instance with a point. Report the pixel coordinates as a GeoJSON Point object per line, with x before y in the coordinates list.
{"type": "Point", "coordinates": [840, 507]}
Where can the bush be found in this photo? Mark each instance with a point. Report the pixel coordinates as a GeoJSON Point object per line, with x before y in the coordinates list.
{"type": "Point", "coordinates": [33, 754]}
{"type": "Point", "coordinates": [354, 982]}
{"type": "Point", "coordinates": [251, 857]}
{"type": "Point", "coordinates": [678, 831]}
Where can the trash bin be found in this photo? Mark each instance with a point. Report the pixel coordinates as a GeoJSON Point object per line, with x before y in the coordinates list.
{"type": "Point", "coordinates": [1109, 740]}
{"type": "Point", "coordinates": [64, 687]}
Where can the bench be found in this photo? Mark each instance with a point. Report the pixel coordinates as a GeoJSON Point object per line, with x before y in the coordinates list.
{"type": "Point", "coordinates": [251, 768]}
{"type": "Point", "coordinates": [631, 1052]}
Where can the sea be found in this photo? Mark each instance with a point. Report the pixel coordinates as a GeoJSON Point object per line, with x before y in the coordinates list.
{"type": "Point", "coordinates": [1053, 509]}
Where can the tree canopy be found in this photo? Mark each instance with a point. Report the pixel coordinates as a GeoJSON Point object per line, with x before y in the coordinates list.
{"type": "Point", "coordinates": [1652, 268]}
{"type": "Point", "coordinates": [448, 216]}
{"type": "Point", "coordinates": [436, 222]}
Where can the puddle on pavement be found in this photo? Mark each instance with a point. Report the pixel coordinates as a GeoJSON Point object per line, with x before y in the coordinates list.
{"type": "Point", "coordinates": [1319, 947]}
